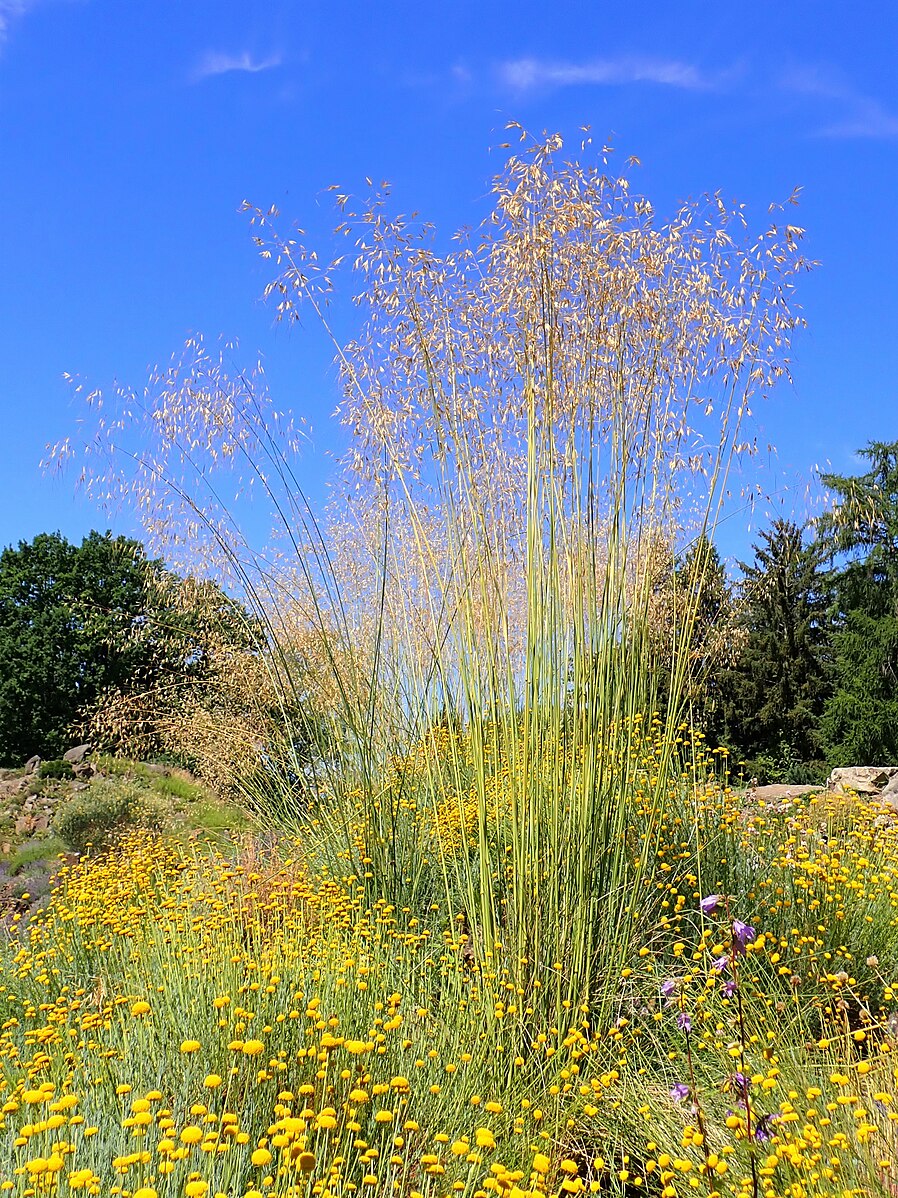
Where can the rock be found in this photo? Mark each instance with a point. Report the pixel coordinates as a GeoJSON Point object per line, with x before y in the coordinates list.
{"type": "Point", "coordinates": [41, 823]}
{"type": "Point", "coordinates": [862, 779]}
{"type": "Point", "coordinates": [776, 793]}
{"type": "Point", "coordinates": [24, 825]}
{"type": "Point", "coordinates": [889, 792]}
{"type": "Point", "coordinates": [76, 756]}
{"type": "Point", "coordinates": [33, 764]}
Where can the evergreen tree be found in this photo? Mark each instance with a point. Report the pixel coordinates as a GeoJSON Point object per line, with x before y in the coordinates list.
{"type": "Point", "coordinates": [693, 600]}
{"type": "Point", "coordinates": [776, 691]}
{"type": "Point", "coordinates": [706, 601]}
{"type": "Point", "coordinates": [860, 721]}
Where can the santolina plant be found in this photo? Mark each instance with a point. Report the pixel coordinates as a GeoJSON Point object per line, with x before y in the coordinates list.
{"type": "Point", "coordinates": [186, 1025]}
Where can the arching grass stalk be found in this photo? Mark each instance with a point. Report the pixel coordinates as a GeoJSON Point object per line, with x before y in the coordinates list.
{"type": "Point", "coordinates": [538, 420]}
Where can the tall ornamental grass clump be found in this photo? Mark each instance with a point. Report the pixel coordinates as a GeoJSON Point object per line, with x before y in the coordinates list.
{"type": "Point", "coordinates": [538, 420]}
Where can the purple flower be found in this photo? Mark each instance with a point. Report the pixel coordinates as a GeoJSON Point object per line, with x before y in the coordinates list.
{"type": "Point", "coordinates": [710, 903]}
{"type": "Point", "coordinates": [729, 988]}
{"type": "Point", "coordinates": [763, 1130]}
{"type": "Point", "coordinates": [742, 935]}
{"type": "Point", "coordinates": [668, 987]}
{"type": "Point", "coordinates": [684, 1023]}
{"type": "Point", "coordinates": [720, 964]}
{"type": "Point", "coordinates": [679, 1092]}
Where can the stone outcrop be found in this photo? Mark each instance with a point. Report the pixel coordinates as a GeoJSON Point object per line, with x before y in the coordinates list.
{"type": "Point", "coordinates": [863, 780]}
{"type": "Point", "coordinates": [76, 756]}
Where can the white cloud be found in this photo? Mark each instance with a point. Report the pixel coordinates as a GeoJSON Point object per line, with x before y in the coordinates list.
{"type": "Point", "coordinates": [216, 62]}
{"type": "Point", "coordinates": [869, 119]}
{"type": "Point", "coordinates": [9, 10]}
{"type": "Point", "coordinates": [861, 115]}
{"type": "Point", "coordinates": [529, 74]}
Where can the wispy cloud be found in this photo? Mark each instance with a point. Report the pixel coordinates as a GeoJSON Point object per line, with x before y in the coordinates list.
{"type": "Point", "coordinates": [216, 62]}
{"type": "Point", "coordinates": [860, 116]}
{"type": "Point", "coordinates": [531, 74]}
{"type": "Point", "coordinates": [9, 10]}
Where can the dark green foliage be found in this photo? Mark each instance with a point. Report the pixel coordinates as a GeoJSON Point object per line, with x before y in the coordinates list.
{"type": "Point", "coordinates": [78, 623]}
{"type": "Point", "coordinates": [55, 769]}
{"type": "Point", "coordinates": [776, 690]}
{"type": "Point", "coordinates": [105, 812]}
{"type": "Point", "coordinates": [860, 722]}
{"type": "Point", "coordinates": [66, 613]}
{"type": "Point", "coordinates": [700, 599]}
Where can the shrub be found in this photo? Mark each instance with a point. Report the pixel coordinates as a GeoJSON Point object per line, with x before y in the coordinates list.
{"type": "Point", "coordinates": [101, 815]}
{"type": "Point", "coordinates": [55, 769]}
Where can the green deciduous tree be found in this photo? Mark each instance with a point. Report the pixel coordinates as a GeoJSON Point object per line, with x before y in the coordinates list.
{"type": "Point", "coordinates": [80, 622]}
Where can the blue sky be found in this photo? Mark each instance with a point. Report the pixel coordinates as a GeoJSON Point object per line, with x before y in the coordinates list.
{"type": "Point", "coordinates": [130, 134]}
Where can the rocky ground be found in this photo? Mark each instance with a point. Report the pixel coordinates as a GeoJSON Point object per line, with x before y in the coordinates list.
{"type": "Point", "coordinates": [31, 799]}
{"type": "Point", "coordinates": [879, 782]}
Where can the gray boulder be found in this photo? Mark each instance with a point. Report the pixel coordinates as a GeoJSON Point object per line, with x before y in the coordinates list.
{"type": "Point", "coordinates": [76, 756]}
{"type": "Point", "coordinates": [862, 779]}
{"type": "Point", "coordinates": [33, 764]}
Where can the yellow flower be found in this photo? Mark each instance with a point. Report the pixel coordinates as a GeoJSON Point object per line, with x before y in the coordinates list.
{"type": "Point", "coordinates": [356, 1047]}
{"type": "Point", "coordinates": [145, 1192]}
{"type": "Point", "coordinates": [140, 1008]}
{"type": "Point", "coordinates": [211, 1080]}
{"type": "Point", "coordinates": [190, 1046]}
{"type": "Point", "coordinates": [191, 1135]}
{"type": "Point", "coordinates": [261, 1156]}
{"type": "Point", "coordinates": [252, 1048]}
{"type": "Point", "coordinates": [196, 1189]}
{"type": "Point", "coordinates": [484, 1138]}
{"type": "Point", "coordinates": [541, 1163]}
{"type": "Point", "coordinates": [305, 1162]}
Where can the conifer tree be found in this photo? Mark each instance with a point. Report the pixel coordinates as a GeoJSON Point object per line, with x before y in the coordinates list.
{"type": "Point", "coordinates": [860, 722]}
{"type": "Point", "coordinates": [776, 692]}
